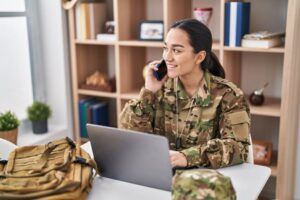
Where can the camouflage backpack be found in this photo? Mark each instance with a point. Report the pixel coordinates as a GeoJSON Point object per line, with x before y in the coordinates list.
{"type": "Point", "coordinates": [57, 170]}
{"type": "Point", "coordinates": [202, 184]}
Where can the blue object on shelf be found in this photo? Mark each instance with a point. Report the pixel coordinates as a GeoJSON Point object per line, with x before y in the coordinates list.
{"type": "Point", "coordinates": [83, 114]}
{"type": "Point", "coordinates": [237, 20]}
{"type": "Point", "coordinates": [100, 114]}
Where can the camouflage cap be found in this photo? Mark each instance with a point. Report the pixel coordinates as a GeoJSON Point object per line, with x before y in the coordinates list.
{"type": "Point", "coordinates": [206, 184]}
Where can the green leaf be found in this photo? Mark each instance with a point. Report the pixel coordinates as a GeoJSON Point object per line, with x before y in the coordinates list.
{"type": "Point", "coordinates": [8, 121]}
{"type": "Point", "coordinates": [38, 111]}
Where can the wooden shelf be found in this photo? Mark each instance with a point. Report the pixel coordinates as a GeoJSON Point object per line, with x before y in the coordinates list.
{"type": "Point", "coordinates": [97, 93]}
{"type": "Point", "coordinates": [271, 107]}
{"type": "Point", "coordinates": [138, 43]}
{"type": "Point", "coordinates": [247, 49]}
{"type": "Point", "coordinates": [130, 95]}
{"type": "Point", "coordinates": [216, 45]}
{"type": "Point", "coordinates": [273, 170]}
{"type": "Point", "coordinates": [95, 42]}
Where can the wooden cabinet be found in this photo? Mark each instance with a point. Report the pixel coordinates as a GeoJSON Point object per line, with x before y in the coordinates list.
{"type": "Point", "coordinates": [125, 58]}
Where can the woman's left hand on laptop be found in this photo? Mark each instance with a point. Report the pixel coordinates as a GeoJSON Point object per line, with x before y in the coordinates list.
{"type": "Point", "coordinates": [177, 159]}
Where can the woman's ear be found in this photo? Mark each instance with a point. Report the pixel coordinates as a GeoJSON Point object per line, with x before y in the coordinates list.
{"type": "Point", "coordinates": [200, 56]}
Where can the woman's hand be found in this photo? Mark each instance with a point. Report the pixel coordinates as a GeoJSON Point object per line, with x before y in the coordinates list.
{"type": "Point", "coordinates": [177, 159]}
{"type": "Point", "coordinates": [151, 83]}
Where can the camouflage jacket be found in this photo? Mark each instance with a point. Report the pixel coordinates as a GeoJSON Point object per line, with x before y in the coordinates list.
{"type": "Point", "coordinates": [215, 134]}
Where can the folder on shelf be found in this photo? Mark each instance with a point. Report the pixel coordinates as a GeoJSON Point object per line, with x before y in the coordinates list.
{"type": "Point", "coordinates": [90, 19]}
{"type": "Point", "coordinates": [97, 18]}
{"type": "Point", "coordinates": [77, 21]}
{"type": "Point", "coordinates": [100, 114]}
{"type": "Point", "coordinates": [83, 114]}
{"type": "Point", "coordinates": [84, 21]}
{"type": "Point", "coordinates": [237, 20]}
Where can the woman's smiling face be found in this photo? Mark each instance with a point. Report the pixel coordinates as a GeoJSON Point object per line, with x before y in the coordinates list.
{"type": "Point", "coordinates": [179, 54]}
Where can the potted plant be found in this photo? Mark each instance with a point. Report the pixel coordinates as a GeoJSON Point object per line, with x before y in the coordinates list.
{"type": "Point", "coordinates": [38, 113]}
{"type": "Point", "coordinates": [9, 124]}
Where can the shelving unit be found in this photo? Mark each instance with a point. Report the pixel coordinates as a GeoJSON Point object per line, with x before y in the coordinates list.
{"type": "Point", "coordinates": [126, 57]}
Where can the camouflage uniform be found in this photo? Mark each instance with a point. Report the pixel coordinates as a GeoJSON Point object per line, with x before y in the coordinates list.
{"type": "Point", "coordinates": [217, 128]}
{"type": "Point", "coordinates": [201, 184]}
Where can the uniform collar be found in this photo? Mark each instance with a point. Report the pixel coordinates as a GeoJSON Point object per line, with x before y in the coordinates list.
{"type": "Point", "coordinates": [201, 99]}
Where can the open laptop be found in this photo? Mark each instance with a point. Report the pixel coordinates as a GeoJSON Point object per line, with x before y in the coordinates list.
{"type": "Point", "coordinates": [131, 156]}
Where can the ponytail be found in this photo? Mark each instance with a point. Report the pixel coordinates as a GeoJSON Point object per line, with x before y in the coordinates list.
{"type": "Point", "coordinates": [213, 65]}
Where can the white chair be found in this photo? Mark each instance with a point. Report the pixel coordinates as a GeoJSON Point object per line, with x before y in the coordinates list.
{"type": "Point", "coordinates": [250, 158]}
{"type": "Point", "coordinates": [5, 148]}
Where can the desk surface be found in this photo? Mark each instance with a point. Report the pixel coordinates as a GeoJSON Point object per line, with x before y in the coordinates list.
{"type": "Point", "coordinates": [248, 180]}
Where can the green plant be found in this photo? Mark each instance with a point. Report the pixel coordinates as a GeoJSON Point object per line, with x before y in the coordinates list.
{"type": "Point", "coordinates": [38, 111]}
{"type": "Point", "coordinates": [8, 121]}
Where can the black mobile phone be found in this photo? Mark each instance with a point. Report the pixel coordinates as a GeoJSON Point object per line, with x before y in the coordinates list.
{"type": "Point", "coordinates": [162, 70]}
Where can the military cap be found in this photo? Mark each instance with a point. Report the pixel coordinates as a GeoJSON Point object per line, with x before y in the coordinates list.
{"type": "Point", "coordinates": [198, 184]}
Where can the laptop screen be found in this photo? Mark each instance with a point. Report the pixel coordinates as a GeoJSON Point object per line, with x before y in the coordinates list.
{"type": "Point", "coordinates": [131, 156]}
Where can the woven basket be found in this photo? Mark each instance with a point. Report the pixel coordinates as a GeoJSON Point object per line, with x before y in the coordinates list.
{"type": "Point", "coordinates": [10, 135]}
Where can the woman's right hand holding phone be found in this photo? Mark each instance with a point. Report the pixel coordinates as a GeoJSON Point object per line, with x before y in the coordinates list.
{"type": "Point", "coordinates": [151, 82]}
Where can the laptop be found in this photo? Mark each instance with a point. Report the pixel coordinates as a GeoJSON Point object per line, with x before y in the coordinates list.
{"type": "Point", "coordinates": [131, 156]}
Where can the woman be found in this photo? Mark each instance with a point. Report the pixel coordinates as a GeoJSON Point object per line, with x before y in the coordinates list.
{"type": "Point", "coordinates": [205, 117]}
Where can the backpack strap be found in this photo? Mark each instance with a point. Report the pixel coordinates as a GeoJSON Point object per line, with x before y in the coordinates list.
{"type": "Point", "coordinates": [89, 162]}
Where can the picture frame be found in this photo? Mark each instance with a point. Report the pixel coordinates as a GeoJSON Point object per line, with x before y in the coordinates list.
{"type": "Point", "coordinates": [262, 152]}
{"type": "Point", "coordinates": [151, 30]}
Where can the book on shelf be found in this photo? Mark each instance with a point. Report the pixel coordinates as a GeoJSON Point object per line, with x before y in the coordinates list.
{"type": "Point", "coordinates": [90, 19]}
{"type": "Point", "coordinates": [106, 37]}
{"type": "Point", "coordinates": [260, 35]}
{"type": "Point", "coordinates": [92, 111]}
{"type": "Point", "coordinates": [264, 43]}
{"type": "Point", "coordinates": [263, 39]}
{"type": "Point", "coordinates": [237, 20]}
{"type": "Point", "coordinates": [97, 18]}
{"type": "Point", "coordinates": [84, 115]}
{"type": "Point", "coordinates": [100, 114]}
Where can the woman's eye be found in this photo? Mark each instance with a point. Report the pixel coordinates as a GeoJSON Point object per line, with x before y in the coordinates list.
{"type": "Point", "coordinates": [165, 48]}
{"type": "Point", "coordinates": [176, 51]}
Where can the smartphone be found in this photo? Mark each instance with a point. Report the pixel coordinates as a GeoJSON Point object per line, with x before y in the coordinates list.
{"type": "Point", "coordinates": [162, 70]}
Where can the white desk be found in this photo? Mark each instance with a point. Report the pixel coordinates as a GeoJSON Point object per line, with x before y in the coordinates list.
{"type": "Point", "coordinates": [248, 180]}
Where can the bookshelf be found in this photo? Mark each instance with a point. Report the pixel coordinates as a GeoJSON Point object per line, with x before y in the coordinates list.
{"type": "Point", "coordinates": [126, 57]}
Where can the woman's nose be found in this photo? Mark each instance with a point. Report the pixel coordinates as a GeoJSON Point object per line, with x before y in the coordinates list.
{"type": "Point", "coordinates": [167, 55]}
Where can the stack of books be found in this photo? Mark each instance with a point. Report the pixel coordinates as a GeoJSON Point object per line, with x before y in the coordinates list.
{"type": "Point", "coordinates": [263, 39]}
{"type": "Point", "coordinates": [90, 19]}
{"type": "Point", "coordinates": [92, 111]}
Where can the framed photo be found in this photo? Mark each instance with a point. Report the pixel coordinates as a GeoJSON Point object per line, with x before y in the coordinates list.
{"type": "Point", "coordinates": [110, 27]}
{"type": "Point", "coordinates": [152, 30]}
{"type": "Point", "coordinates": [262, 152]}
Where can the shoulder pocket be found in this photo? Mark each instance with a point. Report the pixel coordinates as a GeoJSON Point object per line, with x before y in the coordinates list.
{"type": "Point", "coordinates": [238, 117]}
{"type": "Point", "coordinates": [239, 122]}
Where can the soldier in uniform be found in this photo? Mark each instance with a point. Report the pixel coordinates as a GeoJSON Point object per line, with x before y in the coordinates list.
{"type": "Point", "coordinates": [205, 117]}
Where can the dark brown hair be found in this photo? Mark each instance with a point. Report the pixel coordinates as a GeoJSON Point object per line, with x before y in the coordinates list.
{"type": "Point", "coordinates": [201, 39]}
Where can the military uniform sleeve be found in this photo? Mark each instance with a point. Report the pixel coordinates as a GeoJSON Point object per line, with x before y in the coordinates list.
{"type": "Point", "coordinates": [230, 147]}
{"type": "Point", "coordinates": [138, 114]}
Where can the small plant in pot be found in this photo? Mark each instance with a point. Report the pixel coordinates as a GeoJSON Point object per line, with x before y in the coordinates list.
{"type": "Point", "coordinates": [9, 124]}
{"type": "Point", "coordinates": [38, 113]}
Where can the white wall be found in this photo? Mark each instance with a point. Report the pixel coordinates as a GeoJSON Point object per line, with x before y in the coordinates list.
{"type": "Point", "coordinates": [54, 39]}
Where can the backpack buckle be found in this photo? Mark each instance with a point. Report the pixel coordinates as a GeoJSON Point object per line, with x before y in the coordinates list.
{"type": "Point", "coordinates": [71, 142]}
{"type": "Point", "coordinates": [2, 176]}
{"type": "Point", "coordinates": [80, 160]}
{"type": "Point", "coordinates": [4, 162]}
